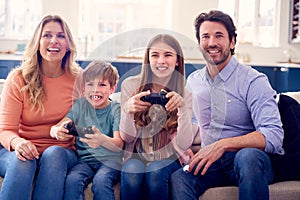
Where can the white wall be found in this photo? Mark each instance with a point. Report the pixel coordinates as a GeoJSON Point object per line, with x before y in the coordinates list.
{"type": "Point", "coordinates": [68, 9]}
{"type": "Point", "coordinates": [184, 13]}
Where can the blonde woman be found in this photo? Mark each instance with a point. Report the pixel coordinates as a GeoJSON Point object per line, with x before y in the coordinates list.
{"type": "Point", "coordinates": [37, 95]}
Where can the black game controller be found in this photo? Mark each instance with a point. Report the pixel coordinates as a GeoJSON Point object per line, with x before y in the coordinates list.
{"type": "Point", "coordinates": [77, 130]}
{"type": "Point", "coordinates": [156, 98]}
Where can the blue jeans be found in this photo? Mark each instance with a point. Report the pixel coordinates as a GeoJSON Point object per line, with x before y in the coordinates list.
{"type": "Point", "coordinates": [147, 181]}
{"type": "Point", "coordinates": [103, 174]}
{"type": "Point", "coordinates": [49, 170]}
{"type": "Point", "coordinates": [250, 169]}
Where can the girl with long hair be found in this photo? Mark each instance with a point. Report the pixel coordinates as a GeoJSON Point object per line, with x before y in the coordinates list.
{"type": "Point", "coordinates": [155, 135]}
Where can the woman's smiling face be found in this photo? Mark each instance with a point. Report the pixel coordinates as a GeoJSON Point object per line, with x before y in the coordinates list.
{"type": "Point", "coordinates": [53, 44]}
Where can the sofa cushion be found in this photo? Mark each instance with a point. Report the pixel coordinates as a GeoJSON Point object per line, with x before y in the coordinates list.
{"type": "Point", "coordinates": [286, 167]}
{"type": "Point", "coordinates": [278, 191]}
{"type": "Point", "coordinates": [289, 110]}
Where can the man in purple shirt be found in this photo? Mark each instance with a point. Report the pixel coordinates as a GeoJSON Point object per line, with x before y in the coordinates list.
{"type": "Point", "coordinates": [238, 117]}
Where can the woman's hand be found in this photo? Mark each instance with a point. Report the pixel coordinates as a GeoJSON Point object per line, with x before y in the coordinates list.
{"type": "Point", "coordinates": [176, 101]}
{"type": "Point", "coordinates": [24, 149]}
{"type": "Point", "coordinates": [135, 104]}
{"type": "Point", "coordinates": [59, 132]}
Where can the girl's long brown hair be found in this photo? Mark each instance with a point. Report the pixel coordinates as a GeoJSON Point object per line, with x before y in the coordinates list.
{"type": "Point", "coordinates": [176, 83]}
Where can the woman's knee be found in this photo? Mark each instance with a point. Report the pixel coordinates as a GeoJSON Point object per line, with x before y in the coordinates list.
{"type": "Point", "coordinates": [54, 152]}
{"type": "Point", "coordinates": [56, 155]}
{"type": "Point", "coordinates": [21, 166]}
{"type": "Point", "coordinates": [21, 171]}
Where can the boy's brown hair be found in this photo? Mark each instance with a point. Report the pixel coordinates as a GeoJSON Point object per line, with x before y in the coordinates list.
{"type": "Point", "coordinates": [101, 69]}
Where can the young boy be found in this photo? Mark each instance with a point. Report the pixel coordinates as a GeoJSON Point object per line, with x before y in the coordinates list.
{"type": "Point", "coordinates": [99, 153]}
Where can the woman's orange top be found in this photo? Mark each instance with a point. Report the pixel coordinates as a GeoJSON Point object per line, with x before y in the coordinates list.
{"type": "Point", "coordinates": [18, 120]}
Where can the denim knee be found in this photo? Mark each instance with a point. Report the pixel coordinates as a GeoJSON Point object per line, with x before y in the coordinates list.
{"type": "Point", "coordinates": [19, 177]}
{"type": "Point", "coordinates": [56, 156]}
{"type": "Point", "coordinates": [133, 166]}
{"type": "Point", "coordinates": [22, 167]}
{"type": "Point", "coordinates": [132, 175]}
{"type": "Point", "coordinates": [158, 172]}
{"type": "Point", "coordinates": [106, 177]}
{"type": "Point", "coordinates": [54, 152]}
{"type": "Point", "coordinates": [252, 162]}
{"type": "Point", "coordinates": [132, 178]}
{"type": "Point", "coordinates": [161, 164]}
{"type": "Point", "coordinates": [250, 156]}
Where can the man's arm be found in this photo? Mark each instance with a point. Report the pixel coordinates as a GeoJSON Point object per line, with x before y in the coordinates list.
{"type": "Point", "coordinates": [209, 154]}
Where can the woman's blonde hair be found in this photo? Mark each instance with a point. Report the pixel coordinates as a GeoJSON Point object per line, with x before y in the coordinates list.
{"type": "Point", "coordinates": [30, 67]}
{"type": "Point", "coordinates": [176, 83]}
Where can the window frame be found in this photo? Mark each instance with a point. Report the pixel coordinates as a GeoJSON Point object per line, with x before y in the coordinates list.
{"type": "Point", "coordinates": [11, 18]}
{"type": "Point", "coordinates": [257, 28]}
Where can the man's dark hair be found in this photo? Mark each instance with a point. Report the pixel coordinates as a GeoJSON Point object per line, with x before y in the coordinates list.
{"type": "Point", "coordinates": [216, 16]}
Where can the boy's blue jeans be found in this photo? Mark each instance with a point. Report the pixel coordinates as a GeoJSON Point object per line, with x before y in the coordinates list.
{"type": "Point", "coordinates": [50, 173]}
{"type": "Point", "coordinates": [250, 169]}
{"type": "Point", "coordinates": [104, 175]}
{"type": "Point", "coordinates": [147, 181]}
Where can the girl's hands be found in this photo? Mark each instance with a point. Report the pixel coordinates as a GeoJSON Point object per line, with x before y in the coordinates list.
{"type": "Point", "coordinates": [135, 104]}
{"type": "Point", "coordinates": [24, 149]}
{"type": "Point", "coordinates": [175, 101]}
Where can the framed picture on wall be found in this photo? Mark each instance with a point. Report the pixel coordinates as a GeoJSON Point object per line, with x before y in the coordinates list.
{"type": "Point", "coordinates": [294, 21]}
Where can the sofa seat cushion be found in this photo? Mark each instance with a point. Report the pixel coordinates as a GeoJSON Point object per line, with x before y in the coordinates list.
{"type": "Point", "coordinates": [289, 190]}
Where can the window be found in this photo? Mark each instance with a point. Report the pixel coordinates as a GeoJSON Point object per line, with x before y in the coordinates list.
{"type": "Point", "coordinates": [101, 20]}
{"type": "Point", "coordinates": [255, 20]}
{"type": "Point", "coordinates": [18, 18]}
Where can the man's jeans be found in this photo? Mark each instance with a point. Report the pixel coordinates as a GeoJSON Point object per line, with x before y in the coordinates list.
{"type": "Point", "coordinates": [249, 168]}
